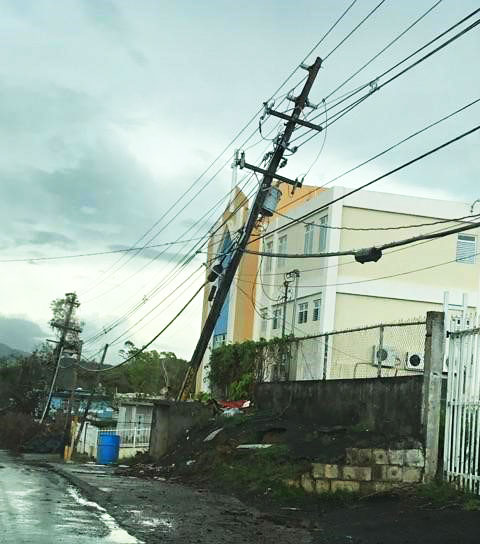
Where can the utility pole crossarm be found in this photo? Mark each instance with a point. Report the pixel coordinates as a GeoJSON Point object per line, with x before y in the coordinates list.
{"type": "Point", "coordinates": [254, 168]}
{"type": "Point", "coordinates": [280, 146]}
{"type": "Point", "coordinates": [298, 121]}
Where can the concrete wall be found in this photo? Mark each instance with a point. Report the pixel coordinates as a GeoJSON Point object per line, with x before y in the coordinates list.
{"type": "Point", "coordinates": [366, 471]}
{"type": "Point", "coordinates": [383, 405]}
{"type": "Point", "coordinates": [171, 420]}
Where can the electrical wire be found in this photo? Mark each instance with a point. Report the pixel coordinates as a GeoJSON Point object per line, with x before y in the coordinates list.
{"type": "Point", "coordinates": [381, 247]}
{"type": "Point", "coordinates": [97, 253]}
{"type": "Point", "coordinates": [398, 274]}
{"type": "Point", "coordinates": [373, 84]}
{"type": "Point", "coordinates": [369, 183]}
{"type": "Point", "coordinates": [381, 229]}
{"type": "Point", "coordinates": [390, 148]}
{"type": "Point", "coordinates": [353, 261]}
{"type": "Point", "coordinates": [175, 271]}
{"type": "Point", "coordinates": [150, 342]}
{"type": "Point", "coordinates": [244, 128]}
{"type": "Point", "coordinates": [385, 48]}
{"type": "Point", "coordinates": [354, 29]}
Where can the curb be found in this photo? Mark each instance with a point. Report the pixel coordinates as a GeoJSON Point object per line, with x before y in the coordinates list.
{"type": "Point", "coordinates": [90, 491]}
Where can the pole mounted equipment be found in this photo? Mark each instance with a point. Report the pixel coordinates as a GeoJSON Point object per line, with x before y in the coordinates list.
{"type": "Point", "coordinates": [226, 280]}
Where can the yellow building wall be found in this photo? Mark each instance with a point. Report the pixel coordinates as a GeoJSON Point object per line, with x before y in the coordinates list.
{"type": "Point", "coordinates": [462, 276]}
{"type": "Point", "coordinates": [245, 288]}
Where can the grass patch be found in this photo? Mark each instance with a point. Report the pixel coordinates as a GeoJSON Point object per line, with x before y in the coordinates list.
{"type": "Point", "coordinates": [440, 494]}
{"type": "Point", "coordinates": [262, 470]}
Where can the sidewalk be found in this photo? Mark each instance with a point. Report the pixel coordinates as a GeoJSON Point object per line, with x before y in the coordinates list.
{"type": "Point", "coordinates": [157, 511]}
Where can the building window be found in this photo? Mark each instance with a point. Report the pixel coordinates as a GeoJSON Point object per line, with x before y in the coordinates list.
{"type": "Point", "coordinates": [466, 248]}
{"type": "Point", "coordinates": [218, 340]}
{"type": "Point", "coordinates": [323, 233]}
{"type": "Point", "coordinates": [308, 246]}
{"type": "Point", "coordinates": [317, 306]}
{"type": "Point", "coordinates": [282, 248]}
{"type": "Point", "coordinates": [277, 318]}
{"type": "Point", "coordinates": [263, 321]}
{"type": "Point", "coordinates": [268, 260]}
{"type": "Point", "coordinates": [303, 312]}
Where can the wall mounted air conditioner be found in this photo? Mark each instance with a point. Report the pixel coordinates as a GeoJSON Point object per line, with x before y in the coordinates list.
{"type": "Point", "coordinates": [414, 361]}
{"type": "Point", "coordinates": [387, 356]}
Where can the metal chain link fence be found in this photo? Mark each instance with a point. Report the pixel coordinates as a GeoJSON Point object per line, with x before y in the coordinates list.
{"type": "Point", "coordinates": [384, 350]}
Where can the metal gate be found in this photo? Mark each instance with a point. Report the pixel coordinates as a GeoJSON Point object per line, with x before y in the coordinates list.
{"type": "Point", "coordinates": [462, 418]}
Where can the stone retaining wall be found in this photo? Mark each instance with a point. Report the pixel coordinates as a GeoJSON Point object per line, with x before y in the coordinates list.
{"type": "Point", "coordinates": [366, 471]}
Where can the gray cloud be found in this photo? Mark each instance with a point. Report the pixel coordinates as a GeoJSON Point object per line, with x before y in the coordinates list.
{"type": "Point", "coordinates": [20, 333]}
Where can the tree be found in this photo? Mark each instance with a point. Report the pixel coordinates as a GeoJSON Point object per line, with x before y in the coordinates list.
{"type": "Point", "coordinates": [23, 381]}
{"type": "Point", "coordinates": [149, 372]}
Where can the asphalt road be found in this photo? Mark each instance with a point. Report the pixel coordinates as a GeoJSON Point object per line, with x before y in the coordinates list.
{"type": "Point", "coordinates": [38, 506]}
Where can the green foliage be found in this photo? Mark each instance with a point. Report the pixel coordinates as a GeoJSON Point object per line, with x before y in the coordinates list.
{"type": "Point", "coordinates": [149, 372]}
{"type": "Point", "coordinates": [234, 368]}
{"type": "Point", "coordinates": [439, 494]}
{"type": "Point", "coordinates": [260, 470]}
{"type": "Point", "coordinates": [23, 380]}
{"type": "Point", "coordinates": [16, 429]}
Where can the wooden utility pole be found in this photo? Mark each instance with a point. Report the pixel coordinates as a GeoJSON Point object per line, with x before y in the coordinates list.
{"type": "Point", "coordinates": [72, 418]}
{"type": "Point", "coordinates": [269, 174]}
{"type": "Point", "coordinates": [72, 303]}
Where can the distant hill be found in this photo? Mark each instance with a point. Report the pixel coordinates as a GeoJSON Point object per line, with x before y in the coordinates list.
{"type": "Point", "coordinates": [6, 352]}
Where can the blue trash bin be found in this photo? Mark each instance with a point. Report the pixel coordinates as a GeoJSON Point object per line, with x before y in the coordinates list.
{"type": "Point", "coordinates": [108, 448]}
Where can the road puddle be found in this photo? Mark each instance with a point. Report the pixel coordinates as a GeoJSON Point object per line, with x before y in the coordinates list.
{"type": "Point", "coordinates": [117, 535]}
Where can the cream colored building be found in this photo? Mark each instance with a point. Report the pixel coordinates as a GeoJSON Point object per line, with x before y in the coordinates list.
{"type": "Point", "coordinates": [338, 293]}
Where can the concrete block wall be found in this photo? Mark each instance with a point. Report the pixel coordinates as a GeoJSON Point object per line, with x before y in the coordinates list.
{"type": "Point", "coordinates": [367, 470]}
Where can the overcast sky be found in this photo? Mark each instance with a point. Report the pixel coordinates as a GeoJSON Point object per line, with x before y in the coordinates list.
{"type": "Point", "coordinates": [110, 109]}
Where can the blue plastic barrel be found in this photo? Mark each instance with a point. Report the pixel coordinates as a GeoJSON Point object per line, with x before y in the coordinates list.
{"type": "Point", "coordinates": [108, 448]}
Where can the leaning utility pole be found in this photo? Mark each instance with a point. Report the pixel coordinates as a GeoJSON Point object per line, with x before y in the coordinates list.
{"type": "Point", "coordinates": [72, 303]}
{"type": "Point", "coordinates": [281, 144]}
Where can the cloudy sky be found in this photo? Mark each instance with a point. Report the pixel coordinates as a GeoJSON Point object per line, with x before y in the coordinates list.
{"type": "Point", "coordinates": [110, 109]}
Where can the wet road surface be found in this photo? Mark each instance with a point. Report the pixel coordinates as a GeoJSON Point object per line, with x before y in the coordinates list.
{"type": "Point", "coordinates": [38, 506]}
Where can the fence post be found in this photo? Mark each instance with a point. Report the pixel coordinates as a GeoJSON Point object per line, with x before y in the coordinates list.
{"type": "Point", "coordinates": [325, 358]}
{"type": "Point", "coordinates": [380, 352]}
{"type": "Point", "coordinates": [432, 390]}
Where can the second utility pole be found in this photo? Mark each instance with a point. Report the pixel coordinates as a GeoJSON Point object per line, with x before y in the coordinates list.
{"type": "Point", "coordinates": [226, 280]}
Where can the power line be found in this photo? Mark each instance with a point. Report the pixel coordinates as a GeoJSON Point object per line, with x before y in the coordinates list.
{"type": "Point", "coordinates": [150, 342]}
{"type": "Point", "coordinates": [381, 229]}
{"type": "Point", "coordinates": [176, 270]}
{"type": "Point", "coordinates": [393, 146]}
{"type": "Point", "coordinates": [356, 252]}
{"type": "Point", "coordinates": [97, 253]}
{"type": "Point", "coordinates": [389, 173]}
{"type": "Point", "coordinates": [430, 267]}
{"type": "Point", "coordinates": [371, 12]}
{"type": "Point", "coordinates": [373, 84]}
{"type": "Point", "coordinates": [181, 265]}
{"type": "Point", "coordinates": [242, 130]}
{"type": "Point", "coordinates": [389, 44]}
{"type": "Point", "coordinates": [338, 265]}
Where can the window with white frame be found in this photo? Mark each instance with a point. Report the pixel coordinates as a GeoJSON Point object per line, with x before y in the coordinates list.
{"type": "Point", "coordinates": [282, 248]}
{"type": "Point", "coordinates": [268, 260]}
{"type": "Point", "coordinates": [322, 246]}
{"type": "Point", "coordinates": [303, 312]}
{"type": "Point", "coordinates": [466, 248]}
{"type": "Point", "coordinates": [317, 308]}
{"type": "Point", "coordinates": [277, 318]}
{"type": "Point", "coordinates": [263, 321]}
{"type": "Point", "coordinates": [308, 245]}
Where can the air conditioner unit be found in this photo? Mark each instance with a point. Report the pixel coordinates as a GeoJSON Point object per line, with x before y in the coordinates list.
{"type": "Point", "coordinates": [386, 356]}
{"type": "Point", "coordinates": [414, 361]}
